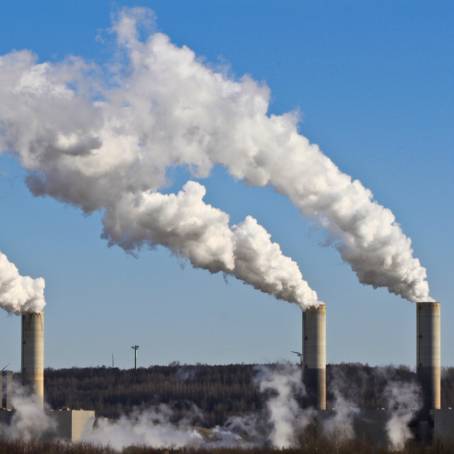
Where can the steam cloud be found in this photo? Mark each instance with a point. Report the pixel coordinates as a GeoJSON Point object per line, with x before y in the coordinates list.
{"type": "Point", "coordinates": [30, 420]}
{"type": "Point", "coordinates": [152, 427]}
{"type": "Point", "coordinates": [103, 145]}
{"type": "Point", "coordinates": [19, 293]}
{"type": "Point", "coordinates": [340, 426]}
{"type": "Point", "coordinates": [156, 427]}
{"type": "Point", "coordinates": [403, 402]}
{"type": "Point", "coordinates": [286, 418]}
{"type": "Point", "coordinates": [188, 226]}
{"type": "Point", "coordinates": [281, 424]}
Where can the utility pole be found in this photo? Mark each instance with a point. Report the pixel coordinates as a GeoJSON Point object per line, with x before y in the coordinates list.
{"type": "Point", "coordinates": [135, 348]}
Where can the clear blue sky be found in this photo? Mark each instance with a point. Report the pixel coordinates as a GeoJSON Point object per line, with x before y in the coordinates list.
{"type": "Point", "coordinates": [375, 83]}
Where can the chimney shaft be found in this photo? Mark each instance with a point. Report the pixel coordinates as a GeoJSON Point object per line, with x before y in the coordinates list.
{"type": "Point", "coordinates": [428, 353]}
{"type": "Point", "coordinates": [33, 353]}
{"type": "Point", "coordinates": [314, 355]}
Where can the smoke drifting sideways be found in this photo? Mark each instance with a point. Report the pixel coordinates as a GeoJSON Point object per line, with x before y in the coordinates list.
{"type": "Point", "coordinates": [100, 136]}
{"type": "Point", "coordinates": [19, 294]}
{"type": "Point", "coordinates": [200, 232]}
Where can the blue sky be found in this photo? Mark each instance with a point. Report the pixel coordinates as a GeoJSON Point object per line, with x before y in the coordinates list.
{"type": "Point", "coordinates": [374, 81]}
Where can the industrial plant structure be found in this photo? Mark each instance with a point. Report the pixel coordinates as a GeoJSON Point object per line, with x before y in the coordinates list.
{"type": "Point", "coordinates": [70, 424]}
{"type": "Point", "coordinates": [432, 422]}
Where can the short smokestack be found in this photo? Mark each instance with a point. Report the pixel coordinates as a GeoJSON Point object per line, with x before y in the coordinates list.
{"type": "Point", "coordinates": [33, 353]}
{"type": "Point", "coordinates": [314, 355]}
{"type": "Point", "coordinates": [428, 353]}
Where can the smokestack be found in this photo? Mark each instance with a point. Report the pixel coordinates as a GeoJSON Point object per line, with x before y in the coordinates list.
{"type": "Point", "coordinates": [428, 353]}
{"type": "Point", "coordinates": [314, 355]}
{"type": "Point", "coordinates": [33, 352]}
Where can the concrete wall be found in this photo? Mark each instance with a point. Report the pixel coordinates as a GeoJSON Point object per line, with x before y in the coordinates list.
{"type": "Point", "coordinates": [71, 424]}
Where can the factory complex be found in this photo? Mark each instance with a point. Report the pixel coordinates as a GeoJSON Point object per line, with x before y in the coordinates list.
{"type": "Point", "coordinates": [431, 423]}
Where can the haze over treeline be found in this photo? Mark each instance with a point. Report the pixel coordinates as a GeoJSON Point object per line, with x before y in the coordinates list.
{"type": "Point", "coordinates": [218, 391]}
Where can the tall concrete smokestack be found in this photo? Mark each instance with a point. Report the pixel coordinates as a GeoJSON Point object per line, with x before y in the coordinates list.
{"type": "Point", "coordinates": [314, 355]}
{"type": "Point", "coordinates": [428, 353]}
{"type": "Point", "coordinates": [33, 353]}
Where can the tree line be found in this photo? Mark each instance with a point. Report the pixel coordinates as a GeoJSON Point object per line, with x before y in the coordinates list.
{"type": "Point", "coordinates": [219, 391]}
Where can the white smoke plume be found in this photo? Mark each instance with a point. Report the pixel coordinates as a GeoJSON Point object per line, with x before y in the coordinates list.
{"type": "Point", "coordinates": [403, 402]}
{"type": "Point", "coordinates": [18, 293]}
{"type": "Point", "coordinates": [97, 144]}
{"type": "Point", "coordinates": [191, 228]}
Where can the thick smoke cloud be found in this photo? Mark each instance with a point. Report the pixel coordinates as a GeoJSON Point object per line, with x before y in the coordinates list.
{"type": "Point", "coordinates": [191, 228]}
{"type": "Point", "coordinates": [19, 293]}
{"type": "Point", "coordinates": [97, 145]}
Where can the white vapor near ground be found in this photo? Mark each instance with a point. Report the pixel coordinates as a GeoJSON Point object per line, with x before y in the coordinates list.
{"type": "Point", "coordinates": [19, 293]}
{"type": "Point", "coordinates": [30, 420]}
{"type": "Point", "coordinates": [281, 424]}
{"type": "Point", "coordinates": [403, 402]}
{"type": "Point", "coordinates": [340, 425]}
{"type": "Point", "coordinates": [156, 427]}
{"type": "Point", "coordinates": [151, 427]}
{"type": "Point", "coordinates": [96, 136]}
{"type": "Point", "coordinates": [286, 417]}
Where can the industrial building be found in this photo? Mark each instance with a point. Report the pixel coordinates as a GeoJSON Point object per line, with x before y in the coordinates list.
{"type": "Point", "coordinates": [70, 424]}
